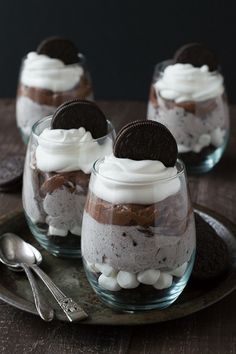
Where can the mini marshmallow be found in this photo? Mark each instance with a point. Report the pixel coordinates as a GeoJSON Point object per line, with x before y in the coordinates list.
{"type": "Point", "coordinates": [197, 148]}
{"type": "Point", "coordinates": [105, 269]}
{"type": "Point", "coordinates": [149, 276]}
{"type": "Point", "coordinates": [164, 281]}
{"type": "Point", "coordinates": [203, 141]}
{"type": "Point", "coordinates": [76, 230]}
{"type": "Point", "coordinates": [108, 283]}
{"type": "Point", "coordinates": [179, 272]}
{"type": "Point", "coordinates": [91, 267]}
{"type": "Point", "coordinates": [217, 137]}
{"type": "Point", "coordinates": [127, 280]}
{"type": "Point", "coordinates": [56, 232]}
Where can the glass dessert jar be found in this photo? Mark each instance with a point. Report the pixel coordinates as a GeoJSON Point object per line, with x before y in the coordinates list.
{"type": "Point", "coordinates": [56, 176]}
{"type": "Point", "coordinates": [44, 84]}
{"type": "Point", "coordinates": [191, 101]}
{"type": "Point", "coordinates": [138, 233]}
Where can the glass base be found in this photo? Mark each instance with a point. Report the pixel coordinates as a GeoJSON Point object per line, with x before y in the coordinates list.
{"type": "Point", "coordinates": [68, 246]}
{"type": "Point", "coordinates": [142, 298]}
{"type": "Point", "coordinates": [203, 162]}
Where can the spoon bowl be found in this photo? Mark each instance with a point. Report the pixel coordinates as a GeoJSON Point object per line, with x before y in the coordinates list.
{"type": "Point", "coordinates": [14, 251]}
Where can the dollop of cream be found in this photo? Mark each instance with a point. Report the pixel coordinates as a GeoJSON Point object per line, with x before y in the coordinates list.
{"type": "Point", "coordinates": [128, 181]}
{"type": "Point", "coordinates": [61, 150]}
{"type": "Point", "coordinates": [184, 82]}
{"type": "Point", "coordinates": [44, 72]}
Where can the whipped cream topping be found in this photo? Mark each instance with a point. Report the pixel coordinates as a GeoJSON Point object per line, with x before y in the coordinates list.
{"type": "Point", "coordinates": [128, 181]}
{"type": "Point", "coordinates": [61, 150]}
{"type": "Point", "coordinates": [44, 72]}
{"type": "Point", "coordinates": [184, 82]}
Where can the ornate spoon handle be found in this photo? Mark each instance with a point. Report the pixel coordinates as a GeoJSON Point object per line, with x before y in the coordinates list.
{"type": "Point", "coordinates": [71, 309]}
{"type": "Point", "coordinates": [41, 304]}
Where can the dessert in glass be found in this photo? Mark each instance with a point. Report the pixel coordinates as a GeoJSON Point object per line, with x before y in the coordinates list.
{"type": "Point", "coordinates": [53, 74]}
{"type": "Point", "coordinates": [138, 230]}
{"type": "Point", "coordinates": [188, 96]}
{"type": "Point", "coordinates": [59, 160]}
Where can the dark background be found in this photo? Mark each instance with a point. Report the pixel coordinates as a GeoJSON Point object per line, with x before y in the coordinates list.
{"type": "Point", "coordinates": [121, 39]}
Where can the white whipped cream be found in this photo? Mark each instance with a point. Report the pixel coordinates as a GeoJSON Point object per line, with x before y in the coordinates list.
{"type": "Point", "coordinates": [128, 181]}
{"type": "Point", "coordinates": [61, 150]}
{"type": "Point", "coordinates": [44, 72]}
{"type": "Point", "coordinates": [184, 82]}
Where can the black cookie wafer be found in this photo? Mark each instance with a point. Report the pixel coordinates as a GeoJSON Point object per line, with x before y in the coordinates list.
{"type": "Point", "coordinates": [11, 171]}
{"type": "Point", "coordinates": [59, 48]}
{"type": "Point", "coordinates": [146, 140]}
{"type": "Point", "coordinates": [80, 113]}
{"type": "Point", "coordinates": [197, 55]}
{"type": "Point", "coordinates": [212, 256]}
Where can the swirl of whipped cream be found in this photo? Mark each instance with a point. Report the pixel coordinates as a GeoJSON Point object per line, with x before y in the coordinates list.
{"type": "Point", "coordinates": [44, 72]}
{"type": "Point", "coordinates": [184, 82]}
{"type": "Point", "coordinates": [128, 181]}
{"type": "Point", "coordinates": [61, 150]}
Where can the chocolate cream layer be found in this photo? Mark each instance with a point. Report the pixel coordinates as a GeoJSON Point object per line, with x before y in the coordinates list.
{"type": "Point", "coordinates": [82, 90]}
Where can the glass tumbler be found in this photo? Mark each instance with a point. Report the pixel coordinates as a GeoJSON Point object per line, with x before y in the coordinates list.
{"type": "Point", "coordinates": [38, 94]}
{"type": "Point", "coordinates": [138, 256]}
{"type": "Point", "coordinates": [53, 201]}
{"type": "Point", "coordinates": [201, 128]}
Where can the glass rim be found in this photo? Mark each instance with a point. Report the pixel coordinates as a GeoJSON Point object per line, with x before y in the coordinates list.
{"type": "Point", "coordinates": [111, 130]}
{"type": "Point", "coordinates": [179, 173]}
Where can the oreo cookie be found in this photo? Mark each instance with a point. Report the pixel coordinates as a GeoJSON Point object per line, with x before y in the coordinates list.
{"type": "Point", "coordinates": [197, 55]}
{"type": "Point", "coordinates": [212, 256]}
{"type": "Point", "coordinates": [11, 172]}
{"type": "Point", "coordinates": [146, 140]}
{"type": "Point", "coordinates": [59, 48]}
{"type": "Point", "coordinates": [80, 113]}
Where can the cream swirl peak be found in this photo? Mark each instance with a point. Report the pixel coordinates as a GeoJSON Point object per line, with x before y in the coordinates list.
{"type": "Point", "coordinates": [41, 71]}
{"type": "Point", "coordinates": [121, 180]}
{"type": "Point", "coordinates": [61, 150]}
{"type": "Point", "coordinates": [184, 82]}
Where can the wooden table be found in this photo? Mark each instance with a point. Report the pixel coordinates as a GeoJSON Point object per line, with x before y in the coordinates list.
{"type": "Point", "coordinates": [212, 330]}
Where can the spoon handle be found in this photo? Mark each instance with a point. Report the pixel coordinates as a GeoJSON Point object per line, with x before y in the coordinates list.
{"type": "Point", "coordinates": [71, 309]}
{"type": "Point", "coordinates": [44, 309]}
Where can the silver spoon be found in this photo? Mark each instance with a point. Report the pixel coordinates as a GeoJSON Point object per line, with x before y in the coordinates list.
{"type": "Point", "coordinates": [11, 245]}
{"type": "Point", "coordinates": [15, 255]}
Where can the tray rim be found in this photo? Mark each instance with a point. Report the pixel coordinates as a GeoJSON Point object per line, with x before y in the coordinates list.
{"type": "Point", "coordinates": [199, 304]}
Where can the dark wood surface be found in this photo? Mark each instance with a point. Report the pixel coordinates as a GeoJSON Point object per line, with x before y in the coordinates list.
{"type": "Point", "coordinates": [212, 330]}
